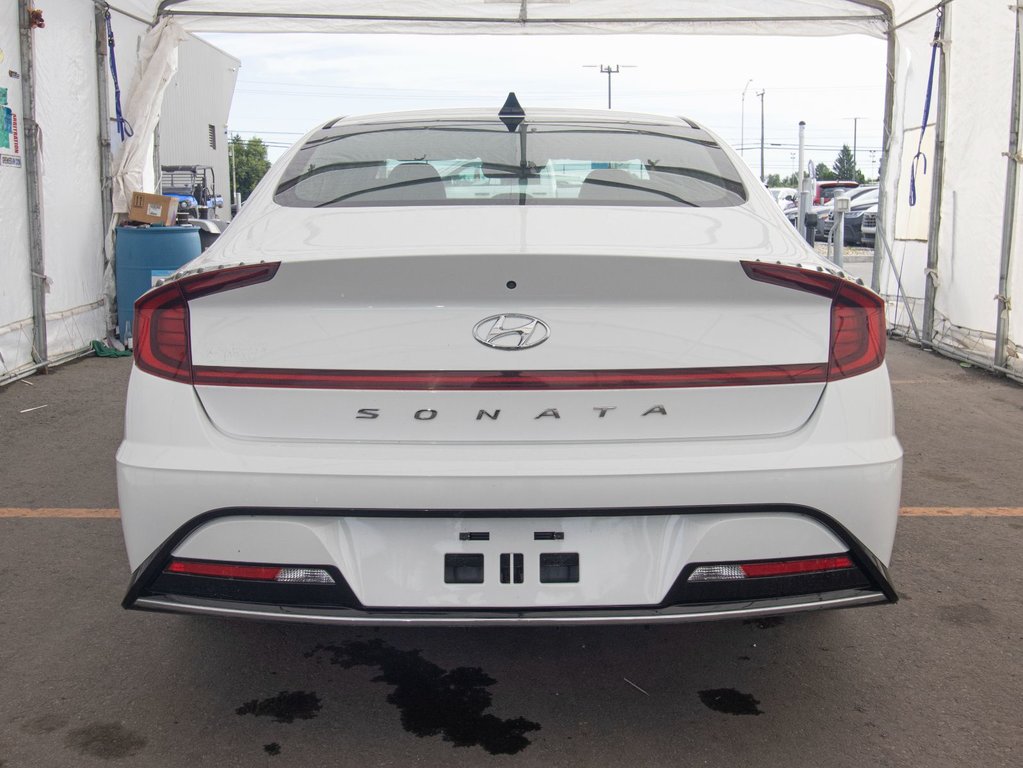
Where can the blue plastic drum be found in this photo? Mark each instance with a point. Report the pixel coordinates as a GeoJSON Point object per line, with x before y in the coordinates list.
{"type": "Point", "coordinates": [145, 255]}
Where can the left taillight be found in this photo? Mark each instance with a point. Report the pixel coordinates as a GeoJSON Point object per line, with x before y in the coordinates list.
{"type": "Point", "coordinates": [161, 338]}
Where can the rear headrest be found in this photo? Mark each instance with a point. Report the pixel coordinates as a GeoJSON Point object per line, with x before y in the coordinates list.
{"type": "Point", "coordinates": [611, 184]}
{"type": "Point", "coordinates": [416, 181]}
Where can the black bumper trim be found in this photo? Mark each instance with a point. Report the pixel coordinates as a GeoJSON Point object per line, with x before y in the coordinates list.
{"type": "Point", "coordinates": [144, 578]}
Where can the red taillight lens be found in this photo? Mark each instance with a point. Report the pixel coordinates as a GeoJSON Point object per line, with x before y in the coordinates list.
{"type": "Point", "coordinates": [741, 571]}
{"type": "Point", "coordinates": [791, 567]}
{"type": "Point", "coordinates": [224, 570]}
{"type": "Point", "coordinates": [858, 336]}
{"type": "Point", "coordinates": [161, 334]}
{"type": "Point", "coordinates": [282, 574]}
{"type": "Point", "coordinates": [161, 318]}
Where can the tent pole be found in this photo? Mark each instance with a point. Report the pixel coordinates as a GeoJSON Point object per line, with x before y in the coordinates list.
{"type": "Point", "coordinates": [889, 116]}
{"type": "Point", "coordinates": [35, 209]}
{"type": "Point", "coordinates": [105, 161]}
{"type": "Point", "coordinates": [1009, 216]}
{"type": "Point", "coordinates": [937, 178]}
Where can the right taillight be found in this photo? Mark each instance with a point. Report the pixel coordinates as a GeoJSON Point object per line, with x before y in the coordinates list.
{"type": "Point", "coordinates": [161, 339]}
{"type": "Point", "coordinates": [858, 334]}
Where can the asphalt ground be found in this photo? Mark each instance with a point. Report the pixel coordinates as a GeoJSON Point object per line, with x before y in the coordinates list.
{"type": "Point", "coordinates": [934, 680]}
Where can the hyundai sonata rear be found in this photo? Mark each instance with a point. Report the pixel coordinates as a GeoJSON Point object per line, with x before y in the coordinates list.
{"type": "Point", "coordinates": [470, 367]}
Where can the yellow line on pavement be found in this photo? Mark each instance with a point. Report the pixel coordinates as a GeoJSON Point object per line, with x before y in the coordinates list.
{"type": "Point", "coordinates": [961, 511]}
{"type": "Point", "coordinates": [57, 512]}
{"type": "Point", "coordinates": [49, 512]}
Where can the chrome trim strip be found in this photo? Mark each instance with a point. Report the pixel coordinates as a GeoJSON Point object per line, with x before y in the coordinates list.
{"type": "Point", "coordinates": [440, 619]}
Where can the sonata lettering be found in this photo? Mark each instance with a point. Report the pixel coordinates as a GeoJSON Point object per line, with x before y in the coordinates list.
{"type": "Point", "coordinates": [429, 414]}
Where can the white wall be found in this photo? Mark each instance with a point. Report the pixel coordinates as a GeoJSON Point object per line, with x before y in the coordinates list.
{"type": "Point", "coordinates": [199, 96]}
{"type": "Point", "coordinates": [67, 108]}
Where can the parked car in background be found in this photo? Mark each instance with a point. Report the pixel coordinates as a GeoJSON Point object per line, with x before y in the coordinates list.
{"type": "Point", "coordinates": [858, 199]}
{"type": "Point", "coordinates": [868, 225]}
{"type": "Point", "coordinates": [818, 210]}
{"type": "Point", "coordinates": [786, 197]}
{"type": "Point", "coordinates": [518, 367]}
{"type": "Point", "coordinates": [825, 190]}
{"type": "Point", "coordinates": [859, 204]}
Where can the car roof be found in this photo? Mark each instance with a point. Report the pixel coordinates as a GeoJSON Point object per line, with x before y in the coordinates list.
{"type": "Point", "coordinates": [544, 113]}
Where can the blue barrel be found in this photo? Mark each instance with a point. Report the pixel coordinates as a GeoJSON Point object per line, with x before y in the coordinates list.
{"type": "Point", "coordinates": [145, 255]}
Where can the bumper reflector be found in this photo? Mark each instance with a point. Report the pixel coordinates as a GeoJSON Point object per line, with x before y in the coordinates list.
{"type": "Point", "coordinates": [276, 573]}
{"type": "Point", "coordinates": [738, 571]}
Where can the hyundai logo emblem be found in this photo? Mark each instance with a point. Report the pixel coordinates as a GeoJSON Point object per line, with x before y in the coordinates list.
{"type": "Point", "coordinates": [510, 332]}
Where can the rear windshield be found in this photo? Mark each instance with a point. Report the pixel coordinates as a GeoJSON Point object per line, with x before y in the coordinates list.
{"type": "Point", "coordinates": [483, 163]}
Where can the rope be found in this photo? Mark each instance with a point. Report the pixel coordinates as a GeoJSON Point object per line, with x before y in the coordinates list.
{"type": "Point", "coordinates": [920, 156]}
{"type": "Point", "coordinates": [123, 126]}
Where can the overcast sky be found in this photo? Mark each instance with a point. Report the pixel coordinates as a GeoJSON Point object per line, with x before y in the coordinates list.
{"type": "Point", "coordinates": [289, 83]}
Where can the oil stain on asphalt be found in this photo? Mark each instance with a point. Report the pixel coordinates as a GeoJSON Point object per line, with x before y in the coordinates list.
{"type": "Point", "coordinates": [434, 701]}
{"type": "Point", "coordinates": [273, 748]}
{"type": "Point", "coordinates": [730, 701]}
{"type": "Point", "coordinates": [285, 707]}
{"type": "Point", "coordinates": [109, 741]}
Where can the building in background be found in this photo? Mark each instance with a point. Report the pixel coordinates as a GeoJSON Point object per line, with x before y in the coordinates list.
{"type": "Point", "coordinates": [196, 107]}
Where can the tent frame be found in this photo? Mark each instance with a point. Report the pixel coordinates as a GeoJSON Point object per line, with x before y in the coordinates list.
{"type": "Point", "coordinates": [167, 9]}
{"type": "Point", "coordinates": [34, 192]}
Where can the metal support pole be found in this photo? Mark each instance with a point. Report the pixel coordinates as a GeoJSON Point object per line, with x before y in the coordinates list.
{"type": "Point", "coordinates": [105, 155]}
{"type": "Point", "coordinates": [742, 120]}
{"type": "Point", "coordinates": [32, 178]}
{"type": "Point", "coordinates": [804, 196]}
{"type": "Point", "coordinates": [886, 147]}
{"type": "Point", "coordinates": [937, 180]}
{"type": "Point", "coordinates": [838, 231]}
{"type": "Point", "coordinates": [762, 176]}
{"type": "Point", "coordinates": [1009, 217]}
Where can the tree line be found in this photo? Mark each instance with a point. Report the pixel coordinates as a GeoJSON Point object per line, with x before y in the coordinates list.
{"type": "Point", "coordinates": [844, 169]}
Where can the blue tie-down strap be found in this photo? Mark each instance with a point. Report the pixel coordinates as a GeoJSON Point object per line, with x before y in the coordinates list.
{"type": "Point", "coordinates": [935, 43]}
{"type": "Point", "coordinates": [123, 126]}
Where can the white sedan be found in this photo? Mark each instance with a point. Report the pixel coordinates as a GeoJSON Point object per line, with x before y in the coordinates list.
{"type": "Point", "coordinates": [545, 366]}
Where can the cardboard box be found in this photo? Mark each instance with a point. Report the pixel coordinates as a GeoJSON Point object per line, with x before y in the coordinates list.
{"type": "Point", "coordinates": [153, 209]}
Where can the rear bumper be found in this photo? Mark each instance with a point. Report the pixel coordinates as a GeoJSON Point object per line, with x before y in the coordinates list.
{"type": "Point", "coordinates": [678, 599]}
{"type": "Point", "coordinates": [671, 615]}
{"type": "Point", "coordinates": [841, 471]}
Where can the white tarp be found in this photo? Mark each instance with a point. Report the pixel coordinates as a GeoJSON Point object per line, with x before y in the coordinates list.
{"type": "Point", "coordinates": [157, 63]}
{"type": "Point", "coordinates": [979, 49]}
{"type": "Point", "coordinates": [67, 107]}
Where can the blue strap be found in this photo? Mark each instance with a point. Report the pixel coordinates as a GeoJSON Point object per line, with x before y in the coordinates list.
{"type": "Point", "coordinates": [123, 126]}
{"type": "Point", "coordinates": [920, 156]}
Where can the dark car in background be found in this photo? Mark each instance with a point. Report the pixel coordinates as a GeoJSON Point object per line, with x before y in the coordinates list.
{"type": "Point", "coordinates": [861, 200]}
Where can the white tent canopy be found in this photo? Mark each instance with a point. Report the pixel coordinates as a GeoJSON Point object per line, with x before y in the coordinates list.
{"type": "Point", "coordinates": [955, 248]}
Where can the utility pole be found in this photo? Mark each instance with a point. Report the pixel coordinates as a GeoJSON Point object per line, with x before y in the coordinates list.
{"type": "Point", "coordinates": [235, 197]}
{"type": "Point", "coordinates": [742, 120]}
{"type": "Point", "coordinates": [761, 95]}
{"type": "Point", "coordinates": [609, 70]}
{"type": "Point", "coordinates": [856, 122]}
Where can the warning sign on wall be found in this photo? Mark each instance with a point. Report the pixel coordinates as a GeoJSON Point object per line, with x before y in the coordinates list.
{"type": "Point", "coordinates": [10, 145]}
